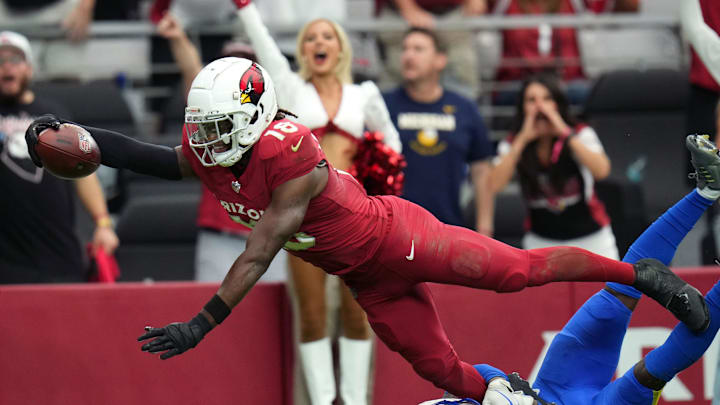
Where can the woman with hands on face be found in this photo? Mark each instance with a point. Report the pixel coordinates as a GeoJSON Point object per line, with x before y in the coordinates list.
{"type": "Point", "coordinates": [558, 161]}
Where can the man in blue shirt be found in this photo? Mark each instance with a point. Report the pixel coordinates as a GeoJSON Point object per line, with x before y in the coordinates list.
{"type": "Point", "coordinates": [442, 133]}
{"type": "Point", "coordinates": [580, 364]}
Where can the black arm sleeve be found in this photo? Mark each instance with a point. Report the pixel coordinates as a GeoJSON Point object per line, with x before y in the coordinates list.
{"type": "Point", "coordinates": [123, 152]}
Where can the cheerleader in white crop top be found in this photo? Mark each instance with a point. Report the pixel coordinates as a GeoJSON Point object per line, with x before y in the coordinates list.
{"type": "Point", "coordinates": [359, 106]}
{"type": "Point", "coordinates": [338, 112]}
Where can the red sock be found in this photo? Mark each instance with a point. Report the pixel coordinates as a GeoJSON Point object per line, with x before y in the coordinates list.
{"type": "Point", "coordinates": [575, 264]}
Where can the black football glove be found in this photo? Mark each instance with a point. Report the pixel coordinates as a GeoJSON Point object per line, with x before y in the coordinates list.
{"type": "Point", "coordinates": [175, 338]}
{"type": "Point", "coordinates": [36, 127]}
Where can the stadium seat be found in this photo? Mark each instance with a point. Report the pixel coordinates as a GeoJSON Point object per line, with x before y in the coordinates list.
{"type": "Point", "coordinates": [158, 234]}
{"type": "Point", "coordinates": [623, 201]}
{"type": "Point", "coordinates": [607, 49]}
{"type": "Point", "coordinates": [489, 51]}
{"type": "Point", "coordinates": [510, 216]}
{"type": "Point", "coordinates": [640, 118]}
{"type": "Point", "coordinates": [98, 103]}
{"type": "Point", "coordinates": [173, 114]}
{"type": "Point", "coordinates": [94, 58]}
{"type": "Point", "coordinates": [625, 206]}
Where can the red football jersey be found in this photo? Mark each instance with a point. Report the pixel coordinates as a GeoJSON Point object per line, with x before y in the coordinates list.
{"type": "Point", "coordinates": [699, 74]}
{"type": "Point", "coordinates": [559, 47]}
{"type": "Point", "coordinates": [343, 226]}
{"type": "Point", "coordinates": [211, 215]}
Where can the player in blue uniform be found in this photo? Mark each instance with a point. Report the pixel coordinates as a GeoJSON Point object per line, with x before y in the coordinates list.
{"type": "Point", "coordinates": [594, 335]}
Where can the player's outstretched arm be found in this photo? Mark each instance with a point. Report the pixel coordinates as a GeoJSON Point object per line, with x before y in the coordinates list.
{"type": "Point", "coordinates": [279, 222]}
{"type": "Point", "coordinates": [119, 151]}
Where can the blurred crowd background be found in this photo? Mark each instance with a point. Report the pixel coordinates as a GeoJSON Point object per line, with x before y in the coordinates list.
{"type": "Point", "coordinates": [624, 66]}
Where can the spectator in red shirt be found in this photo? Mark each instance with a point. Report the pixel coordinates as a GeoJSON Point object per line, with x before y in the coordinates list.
{"type": "Point", "coordinates": [614, 6]}
{"type": "Point", "coordinates": [532, 50]}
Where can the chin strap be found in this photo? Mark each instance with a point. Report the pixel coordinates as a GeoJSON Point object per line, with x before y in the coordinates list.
{"type": "Point", "coordinates": [519, 384]}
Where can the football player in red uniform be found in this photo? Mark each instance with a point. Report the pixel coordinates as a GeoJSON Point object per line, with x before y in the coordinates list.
{"type": "Point", "coordinates": [270, 173]}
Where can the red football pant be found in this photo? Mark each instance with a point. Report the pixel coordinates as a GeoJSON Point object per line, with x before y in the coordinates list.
{"type": "Point", "coordinates": [419, 248]}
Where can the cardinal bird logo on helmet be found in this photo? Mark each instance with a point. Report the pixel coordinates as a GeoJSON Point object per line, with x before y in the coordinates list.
{"type": "Point", "coordinates": [252, 85]}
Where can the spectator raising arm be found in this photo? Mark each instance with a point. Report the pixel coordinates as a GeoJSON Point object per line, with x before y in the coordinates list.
{"type": "Point", "coordinates": [77, 23]}
{"type": "Point", "coordinates": [475, 7]}
{"type": "Point", "coordinates": [593, 157]}
{"type": "Point", "coordinates": [509, 153]}
{"type": "Point", "coordinates": [184, 51]}
{"type": "Point", "coordinates": [269, 54]}
{"type": "Point", "coordinates": [704, 40]}
{"type": "Point", "coordinates": [415, 15]}
{"type": "Point", "coordinates": [90, 193]}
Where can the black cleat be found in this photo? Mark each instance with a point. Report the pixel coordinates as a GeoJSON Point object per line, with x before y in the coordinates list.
{"type": "Point", "coordinates": [658, 282]}
{"type": "Point", "coordinates": [706, 160]}
{"type": "Point", "coordinates": [520, 384]}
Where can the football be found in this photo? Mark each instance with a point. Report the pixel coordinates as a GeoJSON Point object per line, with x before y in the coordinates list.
{"type": "Point", "coordinates": [69, 152]}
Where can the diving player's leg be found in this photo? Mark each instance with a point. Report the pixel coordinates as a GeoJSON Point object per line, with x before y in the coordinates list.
{"type": "Point", "coordinates": [452, 255]}
{"type": "Point", "coordinates": [429, 250]}
{"type": "Point", "coordinates": [474, 260]}
{"type": "Point", "coordinates": [397, 320]}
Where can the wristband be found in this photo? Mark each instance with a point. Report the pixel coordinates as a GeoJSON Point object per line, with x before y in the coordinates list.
{"type": "Point", "coordinates": [217, 308]}
{"type": "Point", "coordinates": [103, 221]}
{"type": "Point", "coordinates": [201, 322]}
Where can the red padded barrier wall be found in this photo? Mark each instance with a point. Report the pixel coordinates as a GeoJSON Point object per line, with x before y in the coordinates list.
{"type": "Point", "coordinates": [77, 344]}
